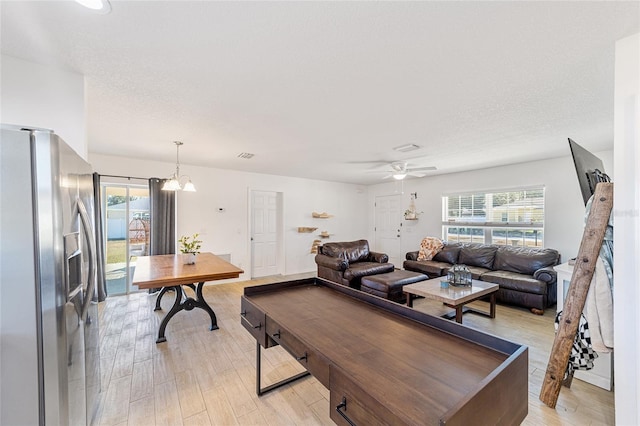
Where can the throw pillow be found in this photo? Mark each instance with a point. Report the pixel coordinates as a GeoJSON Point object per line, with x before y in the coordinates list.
{"type": "Point", "coordinates": [429, 247]}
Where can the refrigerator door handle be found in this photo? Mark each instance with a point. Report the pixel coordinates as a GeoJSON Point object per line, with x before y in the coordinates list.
{"type": "Point", "coordinates": [86, 225]}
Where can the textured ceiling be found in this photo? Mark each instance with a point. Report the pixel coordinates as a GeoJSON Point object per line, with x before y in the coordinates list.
{"type": "Point", "coordinates": [320, 89]}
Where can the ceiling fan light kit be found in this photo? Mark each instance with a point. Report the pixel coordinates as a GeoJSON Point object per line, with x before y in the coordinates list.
{"type": "Point", "coordinates": [401, 169]}
{"type": "Point", "coordinates": [173, 184]}
{"type": "Point", "coordinates": [99, 6]}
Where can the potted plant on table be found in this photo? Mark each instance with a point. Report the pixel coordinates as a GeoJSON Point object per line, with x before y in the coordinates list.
{"type": "Point", "coordinates": [190, 247]}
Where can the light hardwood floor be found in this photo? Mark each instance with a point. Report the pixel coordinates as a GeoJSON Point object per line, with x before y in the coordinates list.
{"type": "Point", "coordinates": [202, 377]}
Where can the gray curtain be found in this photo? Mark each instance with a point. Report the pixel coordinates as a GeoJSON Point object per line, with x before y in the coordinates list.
{"type": "Point", "coordinates": [101, 283]}
{"type": "Point", "coordinates": [162, 206]}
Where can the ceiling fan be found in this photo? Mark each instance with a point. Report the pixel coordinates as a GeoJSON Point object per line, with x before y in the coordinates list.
{"type": "Point", "coordinates": [401, 169]}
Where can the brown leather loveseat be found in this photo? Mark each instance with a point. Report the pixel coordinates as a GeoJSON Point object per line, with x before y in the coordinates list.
{"type": "Point", "coordinates": [525, 275]}
{"type": "Point", "coordinates": [347, 262]}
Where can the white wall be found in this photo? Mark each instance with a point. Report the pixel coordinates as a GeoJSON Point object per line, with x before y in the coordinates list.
{"type": "Point", "coordinates": [626, 234]}
{"type": "Point", "coordinates": [228, 232]}
{"type": "Point", "coordinates": [564, 208]}
{"type": "Point", "coordinates": [41, 96]}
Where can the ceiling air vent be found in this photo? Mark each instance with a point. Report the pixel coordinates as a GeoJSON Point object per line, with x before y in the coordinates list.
{"type": "Point", "coordinates": [407, 147]}
{"type": "Point", "coordinates": [245, 155]}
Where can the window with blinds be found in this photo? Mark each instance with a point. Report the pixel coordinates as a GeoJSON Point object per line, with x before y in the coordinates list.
{"type": "Point", "coordinates": [514, 217]}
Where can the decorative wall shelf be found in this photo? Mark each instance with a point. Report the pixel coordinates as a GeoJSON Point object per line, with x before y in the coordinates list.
{"type": "Point", "coordinates": [306, 229]}
{"type": "Point", "coordinates": [315, 245]}
{"type": "Point", "coordinates": [323, 215]}
{"type": "Point", "coordinates": [412, 213]}
{"type": "Point", "coordinates": [323, 235]}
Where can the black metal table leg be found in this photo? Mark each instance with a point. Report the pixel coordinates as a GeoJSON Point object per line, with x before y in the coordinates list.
{"type": "Point", "coordinates": [164, 290]}
{"type": "Point", "coordinates": [202, 304]}
{"type": "Point", "coordinates": [159, 298]}
{"type": "Point", "coordinates": [259, 389]}
{"type": "Point", "coordinates": [177, 307]}
{"type": "Point", "coordinates": [187, 305]}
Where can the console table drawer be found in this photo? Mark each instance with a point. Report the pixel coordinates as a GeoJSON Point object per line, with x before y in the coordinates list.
{"type": "Point", "coordinates": [315, 364]}
{"type": "Point", "coordinates": [253, 319]}
{"type": "Point", "coordinates": [349, 400]}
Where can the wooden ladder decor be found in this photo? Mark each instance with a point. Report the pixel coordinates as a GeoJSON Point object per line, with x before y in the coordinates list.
{"type": "Point", "coordinates": [583, 270]}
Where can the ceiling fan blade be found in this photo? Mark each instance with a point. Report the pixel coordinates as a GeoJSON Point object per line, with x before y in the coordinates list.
{"type": "Point", "coordinates": [378, 171]}
{"type": "Point", "coordinates": [425, 168]}
{"type": "Point", "coordinates": [414, 174]}
{"type": "Point", "coordinates": [387, 176]}
{"type": "Point", "coordinates": [372, 162]}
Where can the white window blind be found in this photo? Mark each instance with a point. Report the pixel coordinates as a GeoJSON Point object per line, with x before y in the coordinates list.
{"type": "Point", "coordinates": [514, 217]}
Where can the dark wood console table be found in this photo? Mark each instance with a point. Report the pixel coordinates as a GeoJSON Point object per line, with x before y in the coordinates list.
{"type": "Point", "coordinates": [169, 272]}
{"type": "Point", "coordinates": [385, 363]}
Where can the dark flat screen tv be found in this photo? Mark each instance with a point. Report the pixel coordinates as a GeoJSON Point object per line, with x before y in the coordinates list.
{"type": "Point", "coordinates": [589, 169]}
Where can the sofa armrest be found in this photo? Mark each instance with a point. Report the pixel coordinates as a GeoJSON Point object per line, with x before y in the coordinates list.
{"type": "Point", "coordinates": [378, 257]}
{"type": "Point", "coordinates": [412, 255]}
{"type": "Point", "coordinates": [547, 275]}
{"type": "Point", "coordinates": [335, 263]}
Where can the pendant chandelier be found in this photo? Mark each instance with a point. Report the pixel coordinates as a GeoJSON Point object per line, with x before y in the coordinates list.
{"type": "Point", "coordinates": [174, 184]}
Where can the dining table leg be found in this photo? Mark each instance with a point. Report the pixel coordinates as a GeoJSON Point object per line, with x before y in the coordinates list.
{"type": "Point", "coordinates": [177, 307]}
{"type": "Point", "coordinates": [188, 304]}
{"type": "Point", "coordinates": [159, 298]}
{"type": "Point", "coordinates": [205, 306]}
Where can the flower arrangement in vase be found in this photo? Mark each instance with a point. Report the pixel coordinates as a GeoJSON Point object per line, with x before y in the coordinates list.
{"type": "Point", "coordinates": [190, 247]}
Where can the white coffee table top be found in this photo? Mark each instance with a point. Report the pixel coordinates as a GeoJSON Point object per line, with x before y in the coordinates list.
{"type": "Point", "coordinates": [451, 295]}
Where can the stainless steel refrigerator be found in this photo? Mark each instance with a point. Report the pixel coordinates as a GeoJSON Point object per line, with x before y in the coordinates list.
{"type": "Point", "coordinates": [49, 353]}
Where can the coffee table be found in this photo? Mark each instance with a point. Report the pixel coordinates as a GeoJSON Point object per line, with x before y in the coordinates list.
{"type": "Point", "coordinates": [454, 297]}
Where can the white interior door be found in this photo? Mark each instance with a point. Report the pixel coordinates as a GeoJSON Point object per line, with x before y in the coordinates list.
{"type": "Point", "coordinates": [388, 225]}
{"type": "Point", "coordinates": [264, 233]}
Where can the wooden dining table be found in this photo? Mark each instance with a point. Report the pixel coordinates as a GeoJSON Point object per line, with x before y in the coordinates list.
{"type": "Point", "coordinates": [170, 272]}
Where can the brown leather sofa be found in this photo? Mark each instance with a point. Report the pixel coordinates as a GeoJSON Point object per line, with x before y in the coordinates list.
{"type": "Point", "coordinates": [347, 262]}
{"type": "Point", "coordinates": [525, 275]}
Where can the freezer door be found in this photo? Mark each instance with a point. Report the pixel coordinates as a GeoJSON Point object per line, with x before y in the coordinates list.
{"type": "Point", "coordinates": [89, 313]}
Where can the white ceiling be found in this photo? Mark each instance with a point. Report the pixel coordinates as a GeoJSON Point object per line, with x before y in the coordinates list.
{"type": "Point", "coordinates": [314, 89]}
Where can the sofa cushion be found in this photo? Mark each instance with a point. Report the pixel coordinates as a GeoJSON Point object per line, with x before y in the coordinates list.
{"type": "Point", "coordinates": [516, 282]}
{"type": "Point", "coordinates": [361, 269]}
{"type": "Point", "coordinates": [524, 260]}
{"type": "Point", "coordinates": [429, 267]}
{"type": "Point", "coordinates": [352, 251]}
{"type": "Point", "coordinates": [478, 255]}
{"type": "Point", "coordinates": [429, 247]}
{"type": "Point", "coordinates": [476, 271]}
{"type": "Point", "coordinates": [449, 253]}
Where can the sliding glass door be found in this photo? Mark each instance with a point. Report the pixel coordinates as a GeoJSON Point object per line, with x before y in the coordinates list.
{"type": "Point", "coordinates": [126, 222]}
